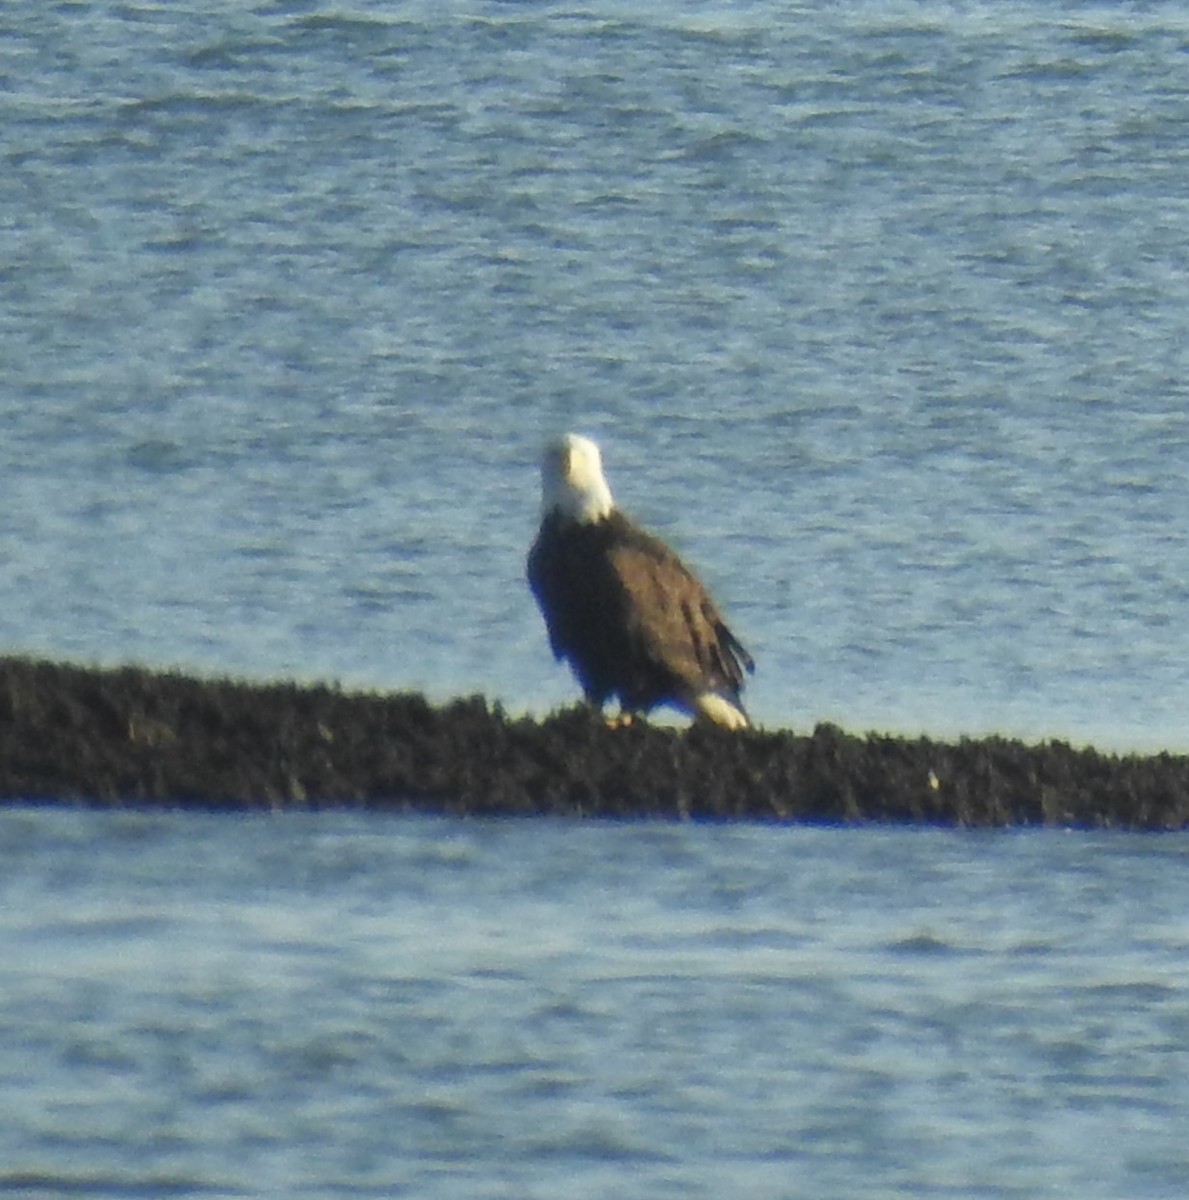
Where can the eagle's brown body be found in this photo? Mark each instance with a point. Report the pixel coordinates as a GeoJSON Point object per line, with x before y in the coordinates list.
{"type": "Point", "coordinates": [633, 621]}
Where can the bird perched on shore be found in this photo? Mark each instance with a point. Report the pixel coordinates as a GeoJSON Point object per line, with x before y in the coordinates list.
{"type": "Point", "coordinates": [631, 618]}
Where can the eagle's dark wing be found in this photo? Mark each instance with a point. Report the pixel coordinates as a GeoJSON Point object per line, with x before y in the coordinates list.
{"type": "Point", "coordinates": [671, 618]}
{"type": "Point", "coordinates": [585, 608]}
{"type": "Point", "coordinates": [550, 578]}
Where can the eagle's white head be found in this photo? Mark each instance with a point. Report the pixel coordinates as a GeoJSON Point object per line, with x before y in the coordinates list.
{"type": "Point", "coordinates": [572, 481]}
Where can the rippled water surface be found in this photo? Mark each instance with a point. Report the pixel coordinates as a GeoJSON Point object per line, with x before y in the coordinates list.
{"type": "Point", "coordinates": [878, 309]}
{"type": "Point", "coordinates": [879, 312]}
{"type": "Point", "coordinates": [334, 1005]}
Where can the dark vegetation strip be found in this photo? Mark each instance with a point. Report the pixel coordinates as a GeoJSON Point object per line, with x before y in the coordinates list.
{"type": "Point", "coordinates": [128, 736]}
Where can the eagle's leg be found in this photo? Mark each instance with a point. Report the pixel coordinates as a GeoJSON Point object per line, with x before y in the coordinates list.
{"type": "Point", "coordinates": [620, 720]}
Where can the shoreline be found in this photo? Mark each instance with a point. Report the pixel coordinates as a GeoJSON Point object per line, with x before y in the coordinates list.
{"type": "Point", "coordinates": [135, 737]}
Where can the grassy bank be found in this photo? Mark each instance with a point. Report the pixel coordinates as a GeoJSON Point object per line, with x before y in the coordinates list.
{"type": "Point", "coordinates": [129, 736]}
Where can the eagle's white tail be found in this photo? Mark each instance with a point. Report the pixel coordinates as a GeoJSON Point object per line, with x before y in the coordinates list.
{"type": "Point", "coordinates": [719, 710]}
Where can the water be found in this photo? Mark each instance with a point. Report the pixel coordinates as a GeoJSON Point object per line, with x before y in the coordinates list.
{"type": "Point", "coordinates": [369, 1006]}
{"type": "Point", "coordinates": [879, 311]}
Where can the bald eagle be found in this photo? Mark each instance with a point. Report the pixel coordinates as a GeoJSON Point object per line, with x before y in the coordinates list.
{"type": "Point", "coordinates": [630, 617]}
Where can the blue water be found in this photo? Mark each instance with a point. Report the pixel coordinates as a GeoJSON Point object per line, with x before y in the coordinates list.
{"type": "Point", "coordinates": [879, 310]}
{"type": "Point", "coordinates": [321, 1006]}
